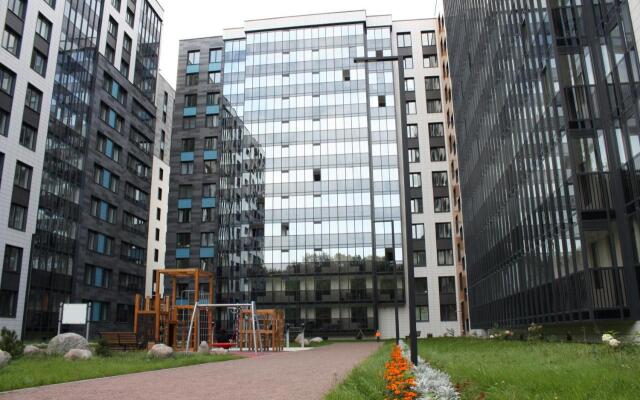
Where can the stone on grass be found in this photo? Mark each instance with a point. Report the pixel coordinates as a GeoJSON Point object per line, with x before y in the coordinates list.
{"type": "Point", "coordinates": [61, 344]}
{"type": "Point", "coordinates": [160, 351]}
{"type": "Point", "coordinates": [298, 340]}
{"type": "Point", "coordinates": [218, 351]}
{"type": "Point", "coordinates": [31, 350]}
{"type": "Point", "coordinates": [316, 340]}
{"type": "Point", "coordinates": [78, 354]}
{"type": "Point", "coordinates": [4, 358]}
{"type": "Point", "coordinates": [203, 348]}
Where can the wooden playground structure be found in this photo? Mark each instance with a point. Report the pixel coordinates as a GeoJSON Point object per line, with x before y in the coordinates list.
{"type": "Point", "coordinates": [165, 319]}
{"type": "Point", "coordinates": [184, 319]}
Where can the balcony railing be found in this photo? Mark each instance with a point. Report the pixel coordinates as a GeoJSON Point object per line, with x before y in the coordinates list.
{"type": "Point", "coordinates": [593, 191]}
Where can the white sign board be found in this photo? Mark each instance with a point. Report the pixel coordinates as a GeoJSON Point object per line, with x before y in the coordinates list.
{"type": "Point", "coordinates": [74, 314]}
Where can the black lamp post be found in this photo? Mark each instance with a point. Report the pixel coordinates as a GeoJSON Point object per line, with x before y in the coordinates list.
{"type": "Point", "coordinates": [413, 342]}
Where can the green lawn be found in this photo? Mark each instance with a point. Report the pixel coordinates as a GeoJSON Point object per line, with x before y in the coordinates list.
{"type": "Point", "coordinates": [366, 381]}
{"type": "Point", "coordinates": [496, 369]}
{"type": "Point", "coordinates": [44, 370]}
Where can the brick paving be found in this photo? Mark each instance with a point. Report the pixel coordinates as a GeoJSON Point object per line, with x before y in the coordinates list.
{"type": "Point", "coordinates": [305, 375]}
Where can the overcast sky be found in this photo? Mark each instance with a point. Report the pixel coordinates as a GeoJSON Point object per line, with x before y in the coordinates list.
{"type": "Point", "coordinates": [184, 19]}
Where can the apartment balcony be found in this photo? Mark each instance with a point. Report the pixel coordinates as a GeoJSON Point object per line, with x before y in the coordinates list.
{"type": "Point", "coordinates": [593, 191]}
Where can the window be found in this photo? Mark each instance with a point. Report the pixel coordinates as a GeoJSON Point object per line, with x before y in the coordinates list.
{"type": "Point", "coordinates": [422, 298]}
{"type": "Point", "coordinates": [186, 168]}
{"type": "Point", "coordinates": [12, 259]}
{"type": "Point", "coordinates": [39, 62]}
{"type": "Point", "coordinates": [107, 147]}
{"type": "Point", "coordinates": [419, 258]}
{"type": "Point", "coordinates": [156, 253]}
{"type": "Point", "coordinates": [124, 67]}
{"type": "Point", "coordinates": [8, 303]}
{"type": "Point", "coordinates": [415, 180]}
{"type": "Point", "coordinates": [130, 283]}
{"type": "Point", "coordinates": [33, 99]}
{"type": "Point", "coordinates": [159, 193]}
{"type": "Point", "coordinates": [404, 40]}
{"type": "Point", "coordinates": [190, 100]}
{"type": "Point", "coordinates": [114, 89]}
{"type": "Point", "coordinates": [112, 28]}
{"type": "Point", "coordinates": [100, 243]}
{"type": "Point", "coordinates": [18, 217]}
{"type": "Point", "coordinates": [410, 107]}
{"type": "Point", "coordinates": [447, 289]}
{"type": "Point", "coordinates": [126, 43]}
{"type": "Point", "coordinates": [99, 311]}
{"type": "Point", "coordinates": [441, 204]}
{"type": "Point", "coordinates": [97, 276]}
{"type": "Point", "coordinates": [51, 3]}
{"type": "Point", "coordinates": [428, 38]}
{"type": "Point", "coordinates": [346, 75]}
{"type": "Point", "coordinates": [215, 55]}
{"type": "Point", "coordinates": [158, 213]}
{"type": "Point", "coordinates": [434, 106]}
{"type": "Point", "coordinates": [210, 166]}
{"type": "Point", "coordinates": [28, 136]}
{"type": "Point", "coordinates": [439, 178]}
{"type": "Point", "coordinates": [436, 130]}
{"type": "Point", "coordinates": [129, 17]}
{"type": "Point", "coordinates": [18, 7]}
{"type": "Point", "coordinates": [191, 79]}
{"type": "Point", "coordinates": [422, 313]}
{"type": "Point", "coordinates": [132, 253]}
{"type": "Point", "coordinates": [414, 155]}
{"type": "Point", "coordinates": [417, 231]}
{"type": "Point", "coordinates": [208, 214]}
{"type": "Point", "coordinates": [214, 77]}
{"type": "Point", "coordinates": [43, 27]}
{"type": "Point", "coordinates": [206, 239]}
{"type": "Point", "coordinates": [111, 118]}
{"type": "Point", "coordinates": [209, 190]}
{"type": "Point", "coordinates": [432, 83]}
{"type": "Point", "coordinates": [103, 210]}
{"type": "Point", "coordinates": [409, 85]}
{"type": "Point", "coordinates": [443, 230]}
{"type": "Point", "coordinates": [193, 57]}
{"type": "Point", "coordinates": [22, 176]}
{"type": "Point", "coordinates": [210, 143]}
{"type": "Point", "coordinates": [212, 121]}
{"type": "Point", "coordinates": [105, 178]}
{"type": "Point", "coordinates": [213, 98]}
{"type": "Point", "coordinates": [445, 257]}
{"type": "Point", "coordinates": [7, 80]}
{"type": "Point", "coordinates": [184, 215]}
{"type": "Point", "coordinates": [416, 206]}
{"type": "Point", "coordinates": [183, 239]}
{"type": "Point", "coordinates": [11, 41]}
{"type": "Point", "coordinates": [184, 191]}
{"type": "Point", "coordinates": [438, 154]}
{"type": "Point", "coordinates": [188, 144]}
{"type": "Point", "coordinates": [412, 131]}
{"type": "Point", "coordinates": [317, 175]}
{"type": "Point", "coordinates": [407, 62]}
{"type": "Point", "coordinates": [430, 61]}
{"type": "Point", "coordinates": [134, 223]}
{"type": "Point", "coordinates": [135, 194]}
{"type": "Point", "coordinates": [382, 101]}
{"type": "Point", "coordinates": [4, 123]}
{"type": "Point", "coordinates": [188, 122]}
{"type": "Point", "coordinates": [124, 312]}
{"type": "Point", "coordinates": [110, 54]}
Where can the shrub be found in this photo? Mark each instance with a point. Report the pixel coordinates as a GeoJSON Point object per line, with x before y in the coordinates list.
{"type": "Point", "coordinates": [10, 343]}
{"type": "Point", "coordinates": [102, 348]}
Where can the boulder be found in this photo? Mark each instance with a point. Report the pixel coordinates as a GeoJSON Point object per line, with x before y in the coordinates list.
{"type": "Point", "coordinates": [31, 350]}
{"type": "Point", "coordinates": [203, 348]}
{"type": "Point", "coordinates": [4, 358]}
{"type": "Point", "coordinates": [298, 340]}
{"type": "Point", "coordinates": [316, 340]}
{"type": "Point", "coordinates": [160, 351]}
{"type": "Point", "coordinates": [78, 354]}
{"type": "Point", "coordinates": [61, 344]}
{"type": "Point", "coordinates": [218, 351]}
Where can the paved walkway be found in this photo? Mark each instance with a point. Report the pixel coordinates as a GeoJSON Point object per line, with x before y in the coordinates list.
{"type": "Point", "coordinates": [304, 375]}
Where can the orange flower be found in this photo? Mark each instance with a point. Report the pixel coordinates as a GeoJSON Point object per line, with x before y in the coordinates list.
{"type": "Point", "coordinates": [399, 381]}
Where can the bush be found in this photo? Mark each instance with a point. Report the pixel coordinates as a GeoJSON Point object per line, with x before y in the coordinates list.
{"type": "Point", "coordinates": [10, 343]}
{"type": "Point", "coordinates": [102, 348]}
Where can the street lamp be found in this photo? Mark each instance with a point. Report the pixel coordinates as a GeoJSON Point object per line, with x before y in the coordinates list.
{"type": "Point", "coordinates": [413, 337]}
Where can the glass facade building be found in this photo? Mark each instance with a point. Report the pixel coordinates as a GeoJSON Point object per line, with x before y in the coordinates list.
{"type": "Point", "coordinates": [92, 225]}
{"type": "Point", "coordinates": [546, 101]}
{"type": "Point", "coordinates": [308, 215]}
